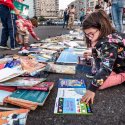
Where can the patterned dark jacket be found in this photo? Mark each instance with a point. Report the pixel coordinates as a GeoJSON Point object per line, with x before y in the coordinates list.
{"type": "Point", "coordinates": [111, 53]}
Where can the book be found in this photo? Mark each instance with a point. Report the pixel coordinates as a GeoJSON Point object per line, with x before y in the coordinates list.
{"type": "Point", "coordinates": [19, 103]}
{"type": "Point", "coordinates": [8, 88]}
{"type": "Point", "coordinates": [68, 100]}
{"type": "Point", "coordinates": [30, 96]}
{"type": "Point", "coordinates": [67, 57]}
{"type": "Point", "coordinates": [15, 117]}
{"type": "Point", "coordinates": [39, 58]}
{"type": "Point", "coordinates": [35, 50]}
{"type": "Point", "coordinates": [71, 44]}
{"type": "Point", "coordinates": [31, 66]}
{"type": "Point", "coordinates": [71, 83]}
{"type": "Point", "coordinates": [71, 92]}
{"type": "Point", "coordinates": [71, 106]}
{"type": "Point", "coordinates": [9, 73]}
{"type": "Point", "coordinates": [3, 94]}
{"type": "Point", "coordinates": [2, 65]}
{"type": "Point", "coordinates": [23, 81]}
{"type": "Point", "coordinates": [5, 108]}
{"type": "Point", "coordinates": [62, 69]}
{"type": "Point", "coordinates": [44, 86]}
{"type": "Point", "coordinates": [13, 63]}
{"type": "Point", "coordinates": [24, 9]}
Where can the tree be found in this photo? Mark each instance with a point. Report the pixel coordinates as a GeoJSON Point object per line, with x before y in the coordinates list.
{"type": "Point", "coordinates": [41, 18]}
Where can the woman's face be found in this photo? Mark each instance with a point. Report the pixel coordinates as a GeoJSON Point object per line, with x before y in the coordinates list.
{"type": "Point", "coordinates": [92, 34]}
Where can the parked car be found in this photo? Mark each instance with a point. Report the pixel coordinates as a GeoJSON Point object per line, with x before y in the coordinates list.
{"type": "Point", "coordinates": [77, 22]}
{"type": "Point", "coordinates": [42, 23]}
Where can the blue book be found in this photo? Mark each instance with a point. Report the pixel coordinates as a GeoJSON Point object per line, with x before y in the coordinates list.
{"type": "Point", "coordinates": [39, 58]}
{"type": "Point", "coordinates": [30, 96]}
{"type": "Point", "coordinates": [67, 57]}
{"type": "Point", "coordinates": [71, 106]}
{"type": "Point", "coordinates": [71, 83]}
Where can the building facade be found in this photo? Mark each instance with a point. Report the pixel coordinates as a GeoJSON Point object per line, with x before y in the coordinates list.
{"type": "Point", "coordinates": [31, 7]}
{"type": "Point", "coordinates": [46, 8]}
{"type": "Point", "coordinates": [37, 8]}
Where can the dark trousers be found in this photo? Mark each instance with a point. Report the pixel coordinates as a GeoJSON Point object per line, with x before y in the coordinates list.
{"type": "Point", "coordinates": [65, 22]}
{"type": "Point", "coordinates": [9, 26]}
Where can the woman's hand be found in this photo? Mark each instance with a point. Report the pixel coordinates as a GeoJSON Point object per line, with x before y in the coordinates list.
{"type": "Point", "coordinates": [87, 54]}
{"type": "Point", "coordinates": [88, 97]}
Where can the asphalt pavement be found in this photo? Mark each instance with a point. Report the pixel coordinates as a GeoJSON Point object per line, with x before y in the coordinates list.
{"type": "Point", "coordinates": [108, 107]}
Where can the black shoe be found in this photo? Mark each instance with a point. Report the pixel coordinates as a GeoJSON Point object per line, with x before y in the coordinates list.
{"type": "Point", "coordinates": [90, 75]}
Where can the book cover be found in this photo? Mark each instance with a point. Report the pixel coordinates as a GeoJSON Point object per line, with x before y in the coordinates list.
{"type": "Point", "coordinates": [44, 86]}
{"type": "Point", "coordinates": [71, 92]}
{"type": "Point", "coordinates": [4, 94]}
{"type": "Point", "coordinates": [35, 97]}
{"type": "Point", "coordinates": [19, 103]}
{"type": "Point", "coordinates": [13, 63]}
{"type": "Point", "coordinates": [23, 81]}
{"type": "Point", "coordinates": [71, 106]}
{"type": "Point", "coordinates": [24, 9]}
{"type": "Point", "coordinates": [31, 66]}
{"type": "Point", "coordinates": [62, 69]}
{"type": "Point", "coordinates": [71, 83]}
{"type": "Point", "coordinates": [15, 117]}
{"type": "Point", "coordinates": [67, 57]}
{"type": "Point", "coordinates": [9, 73]}
{"type": "Point", "coordinates": [39, 58]}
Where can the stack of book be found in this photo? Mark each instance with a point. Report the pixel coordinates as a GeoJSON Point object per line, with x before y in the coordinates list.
{"type": "Point", "coordinates": [68, 100]}
{"type": "Point", "coordinates": [26, 92]}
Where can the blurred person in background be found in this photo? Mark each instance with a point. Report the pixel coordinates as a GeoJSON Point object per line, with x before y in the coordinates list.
{"type": "Point", "coordinates": [65, 17]}
{"type": "Point", "coordinates": [72, 12]}
{"type": "Point", "coordinates": [117, 13]}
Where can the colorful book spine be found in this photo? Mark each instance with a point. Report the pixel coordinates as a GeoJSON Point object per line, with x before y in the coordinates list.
{"type": "Point", "coordinates": [20, 103]}
{"type": "Point", "coordinates": [8, 88]}
{"type": "Point", "coordinates": [34, 88]}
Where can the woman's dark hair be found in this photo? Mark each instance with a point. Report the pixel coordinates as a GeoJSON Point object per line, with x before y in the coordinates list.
{"type": "Point", "coordinates": [99, 20]}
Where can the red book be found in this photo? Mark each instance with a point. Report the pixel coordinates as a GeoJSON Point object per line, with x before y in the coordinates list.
{"type": "Point", "coordinates": [2, 66]}
{"type": "Point", "coordinates": [8, 88]}
{"type": "Point", "coordinates": [44, 86]}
